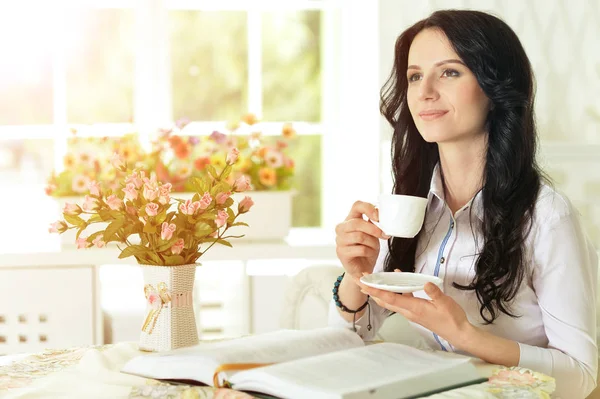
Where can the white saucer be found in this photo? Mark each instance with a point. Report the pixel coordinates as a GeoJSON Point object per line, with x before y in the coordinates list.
{"type": "Point", "coordinates": [399, 282]}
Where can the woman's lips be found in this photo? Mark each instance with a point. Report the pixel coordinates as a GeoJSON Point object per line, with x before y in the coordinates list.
{"type": "Point", "coordinates": [431, 115]}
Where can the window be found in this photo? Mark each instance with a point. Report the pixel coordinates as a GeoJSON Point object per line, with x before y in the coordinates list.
{"type": "Point", "coordinates": [26, 70]}
{"type": "Point", "coordinates": [99, 52]}
{"type": "Point", "coordinates": [99, 68]}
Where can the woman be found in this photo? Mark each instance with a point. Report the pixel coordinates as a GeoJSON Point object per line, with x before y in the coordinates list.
{"type": "Point", "coordinates": [519, 276]}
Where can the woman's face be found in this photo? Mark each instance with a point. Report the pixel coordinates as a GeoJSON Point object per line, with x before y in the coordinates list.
{"type": "Point", "coordinates": [443, 95]}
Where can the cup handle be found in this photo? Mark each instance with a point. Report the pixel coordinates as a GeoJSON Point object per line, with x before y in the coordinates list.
{"type": "Point", "coordinates": [378, 224]}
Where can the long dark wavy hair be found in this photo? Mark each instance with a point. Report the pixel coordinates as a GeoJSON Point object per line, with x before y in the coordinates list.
{"type": "Point", "coordinates": [511, 179]}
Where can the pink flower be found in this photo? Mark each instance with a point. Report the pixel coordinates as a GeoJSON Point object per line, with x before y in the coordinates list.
{"type": "Point", "coordinates": [189, 207]}
{"type": "Point", "coordinates": [50, 189]}
{"type": "Point", "coordinates": [164, 191]}
{"type": "Point", "coordinates": [177, 247]}
{"type": "Point", "coordinates": [154, 300]}
{"type": "Point", "coordinates": [242, 184]}
{"type": "Point", "coordinates": [114, 202]}
{"type": "Point", "coordinates": [71, 209]}
{"type": "Point", "coordinates": [82, 242]}
{"type": "Point", "coordinates": [221, 218]}
{"type": "Point", "coordinates": [245, 205]}
{"type": "Point", "coordinates": [98, 241]}
{"type": "Point", "coordinates": [205, 201]}
{"type": "Point", "coordinates": [90, 204]}
{"type": "Point", "coordinates": [94, 188]}
{"type": "Point", "coordinates": [58, 227]}
{"type": "Point", "coordinates": [117, 161]}
{"type": "Point", "coordinates": [167, 231]}
{"type": "Point", "coordinates": [130, 192]}
{"type": "Point", "coordinates": [134, 179]}
{"type": "Point", "coordinates": [274, 159]}
{"type": "Point", "coordinates": [152, 209]}
{"type": "Point", "coordinates": [232, 156]}
{"type": "Point", "coordinates": [222, 197]}
{"type": "Point", "coordinates": [150, 193]}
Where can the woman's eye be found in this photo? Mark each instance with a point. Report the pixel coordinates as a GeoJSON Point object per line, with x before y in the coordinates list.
{"type": "Point", "coordinates": [450, 73]}
{"type": "Point", "coordinates": [414, 77]}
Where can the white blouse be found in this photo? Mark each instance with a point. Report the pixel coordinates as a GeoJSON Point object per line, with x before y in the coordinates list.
{"type": "Point", "coordinates": [556, 330]}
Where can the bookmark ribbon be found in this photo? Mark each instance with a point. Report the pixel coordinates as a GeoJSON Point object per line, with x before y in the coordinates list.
{"type": "Point", "coordinates": [233, 367]}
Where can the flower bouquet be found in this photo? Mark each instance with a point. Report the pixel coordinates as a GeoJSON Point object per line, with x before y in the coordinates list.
{"type": "Point", "coordinates": [172, 233]}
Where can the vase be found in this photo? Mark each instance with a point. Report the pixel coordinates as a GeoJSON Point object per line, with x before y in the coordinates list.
{"type": "Point", "coordinates": [170, 321]}
{"type": "Point", "coordinates": [269, 219]}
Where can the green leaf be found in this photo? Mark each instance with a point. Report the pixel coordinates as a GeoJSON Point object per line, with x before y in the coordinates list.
{"type": "Point", "coordinates": [79, 233]}
{"type": "Point", "coordinates": [226, 172]}
{"type": "Point", "coordinates": [208, 216]}
{"type": "Point", "coordinates": [224, 242]}
{"type": "Point", "coordinates": [156, 260]}
{"type": "Point", "coordinates": [212, 171]}
{"type": "Point", "coordinates": [166, 245]}
{"type": "Point", "coordinates": [111, 230]}
{"type": "Point", "coordinates": [161, 217]}
{"type": "Point", "coordinates": [95, 219]}
{"type": "Point", "coordinates": [169, 217]}
{"type": "Point", "coordinates": [228, 203]}
{"type": "Point", "coordinates": [93, 236]}
{"type": "Point", "coordinates": [174, 260]}
{"type": "Point", "coordinates": [133, 250]}
{"type": "Point", "coordinates": [149, 228]}
{"type": "Point", "coordinates": [239, 224]}
{"type": "Point", "coordinates": [74, 220]}
{"type": "Point", "coordinates": [231, 215]}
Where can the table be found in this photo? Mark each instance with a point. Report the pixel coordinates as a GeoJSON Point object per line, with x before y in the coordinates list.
{"type": "Point", "coordinates": [93, 372]}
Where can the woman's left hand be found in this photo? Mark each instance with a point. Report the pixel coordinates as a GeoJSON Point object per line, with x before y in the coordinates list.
{"type": "Point", "coordinates": [441, 315]}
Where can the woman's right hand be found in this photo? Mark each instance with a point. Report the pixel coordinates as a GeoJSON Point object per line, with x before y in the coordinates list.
{"type": "Point", "coordinates": [357, 240]}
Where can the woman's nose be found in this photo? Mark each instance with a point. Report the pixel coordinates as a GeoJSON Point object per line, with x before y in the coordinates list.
{"type": "Point", "coordinates": [427, 89]}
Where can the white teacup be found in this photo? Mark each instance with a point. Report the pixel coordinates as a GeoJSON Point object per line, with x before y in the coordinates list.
{"type": "Point", "coordinates": [401, 215]}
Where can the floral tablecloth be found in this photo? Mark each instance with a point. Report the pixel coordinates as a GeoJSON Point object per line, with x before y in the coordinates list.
{"type": "Point", "coordinates": [93, 372]}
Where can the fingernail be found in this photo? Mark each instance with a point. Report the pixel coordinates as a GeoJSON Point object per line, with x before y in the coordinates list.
{"type": "Point", "coordinates": [364, 292]}
{"type": "Point", "coordinates": [397, 270]}
{"type": "Point", "coordinates": [365, 274]}
{"type": "Point", "coordinates": [385, 236]}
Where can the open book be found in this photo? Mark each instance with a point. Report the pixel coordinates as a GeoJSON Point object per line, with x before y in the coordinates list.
{"type": "Point", "coordinates": [325, 363]}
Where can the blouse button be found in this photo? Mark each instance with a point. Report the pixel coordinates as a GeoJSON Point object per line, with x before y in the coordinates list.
{"type": "Point", "coordinates": [442, 260]}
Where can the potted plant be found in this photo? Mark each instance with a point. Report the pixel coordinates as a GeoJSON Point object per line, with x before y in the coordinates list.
{"type": "Point", "coordinates": [173, 235]}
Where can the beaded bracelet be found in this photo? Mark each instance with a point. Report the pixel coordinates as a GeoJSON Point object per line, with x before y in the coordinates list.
{"type": "Point", "coordinates": [340, 305]}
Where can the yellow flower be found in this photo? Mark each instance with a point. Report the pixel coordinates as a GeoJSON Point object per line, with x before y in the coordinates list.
{"type": "Point", "coordinates": [69, 161]}
{"type": "Point", "coordinates": [267, 176]}
{"type": "Point", "coordinates": [250, 119]}
{"type": "Point", "coordinates": [288, 131]}
{"type": "Point", "coordinates": [80, 184]}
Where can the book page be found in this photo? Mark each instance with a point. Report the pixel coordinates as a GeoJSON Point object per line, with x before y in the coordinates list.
{"type": "Point", "coordinates": [199, 362]}
{"type": "Point", "coordinates": [372, 369]}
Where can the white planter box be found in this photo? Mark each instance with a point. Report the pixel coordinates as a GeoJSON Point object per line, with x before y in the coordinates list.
{"type": "Point", "coordinates": [270, 218]}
